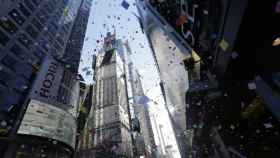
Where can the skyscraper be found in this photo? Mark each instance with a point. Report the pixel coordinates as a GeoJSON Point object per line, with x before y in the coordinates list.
{"type": "Point", "coordinates": [234, 86]}
{"type": "Point", "coordinates": [169, 50]}
{"type": "Point", "coordinates": [77, 37]}
{"type": "Point", "coordinates": [34, 74]}
{"type": "Point", "coordinates": [141, 110]}
{"type": "Point", "coordinates": [112, 123]}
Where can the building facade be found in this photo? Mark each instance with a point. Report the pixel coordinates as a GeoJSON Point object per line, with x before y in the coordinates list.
{"type": "Point", "coordinates": [141, 111]}
{"type": "Point", "coordinates": [33, 35]}
{"type": "Point", "coordinates": [170, 51]}
{"type": "Point", "coordinates": [77, 37]}
{"type": "Point", "coordinates": [112, 135]}
{"type": "Point", "coordinates": [230, 104]}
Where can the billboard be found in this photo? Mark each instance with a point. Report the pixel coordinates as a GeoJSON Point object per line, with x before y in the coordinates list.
{"type": "Point", "coordinates": [57, 86]}
{"type": "Point", "coordinates": [44, 120]}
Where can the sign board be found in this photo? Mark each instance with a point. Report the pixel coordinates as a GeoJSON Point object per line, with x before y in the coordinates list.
{"type": "Point", "coordinates": [48, 121]}
{"type": "Point", "coordinates": [56, 85]}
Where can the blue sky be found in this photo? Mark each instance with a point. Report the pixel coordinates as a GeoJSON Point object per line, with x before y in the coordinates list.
{"type": "Point", "coordinates": [107, 15]}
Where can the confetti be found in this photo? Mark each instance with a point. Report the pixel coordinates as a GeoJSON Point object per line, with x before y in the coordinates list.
{"type": "Point", "coordinates": [125, 4]}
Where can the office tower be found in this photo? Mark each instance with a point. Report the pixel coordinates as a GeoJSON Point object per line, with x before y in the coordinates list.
{"type": "Point", "coordinates": [234, 86]}
{"type": "Point", "coordinates": [141, 110]}
{"type": "Point", "coordinates": [170, 51]}
{"type": "Point", "coordinates": [33, 35]}
{"type": "Point", "coordinates": [76, 39]}
{"type": "Point", "coordinates": [112, 135]}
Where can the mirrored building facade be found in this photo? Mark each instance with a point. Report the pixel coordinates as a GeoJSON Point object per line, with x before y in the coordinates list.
{"type": "Point", "coordinates": [33, 35]}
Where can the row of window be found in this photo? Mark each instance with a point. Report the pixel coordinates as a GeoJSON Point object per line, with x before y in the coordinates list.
{"type": "Point", "coordinates": [15, 73]}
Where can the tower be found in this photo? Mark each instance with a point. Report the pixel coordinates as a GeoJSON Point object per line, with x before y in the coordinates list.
{"type": "Point", "coordinates": [112, 122]}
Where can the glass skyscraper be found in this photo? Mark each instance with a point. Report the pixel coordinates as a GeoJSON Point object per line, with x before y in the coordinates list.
{"type": "Point", "coordinates": [33, 33]}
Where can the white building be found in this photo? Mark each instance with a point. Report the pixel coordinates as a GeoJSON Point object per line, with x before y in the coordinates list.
{"type": "Point", "coordinates": [112, 126]}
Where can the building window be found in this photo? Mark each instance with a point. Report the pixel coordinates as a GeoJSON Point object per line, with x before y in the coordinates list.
{"type": "Point", "coordinates": [23, 39]}
{"type": "Point", "coordinates": [48, 8]}
{"type": "Point", "coordinates": [52, 30]}
{"type": "Point", "coordinates": [39, 52]}
{"type": "Point", "coordinates": [9, 62]}
{"type": "Point", "coordinates": [4, 39]}
{"type": "Point", "coordinates": [29, 5]}
{"type": "Point", "coordinates": [42, 16]}
{"type": "Point", "coordinates": [36, 2]}
{"type": "Point", "coordinates": [18, 51]}
{"type": "Point", "coordinates": [60, 40]}
{"type": "Point", "coordinates": [17, 17]}
{"type": "Point", "coordinates": [54, 24]}
{"type": "Point", "coordinates": [49, 36]}
{"type": "Point", "coordinates": [57, 47]}
{"type": "Point", "coordinates": [32, 32]}
{"type": "Point", "coordinates": [24, 10]}
{"type": "Point", "coordinates": [37, 24]}
{"type": "Point", "coordinates": [44, 44]}
{"type": "Point", "coordinates": [4, 78]}
{"type": "Point", "coordinates": [8, 25]}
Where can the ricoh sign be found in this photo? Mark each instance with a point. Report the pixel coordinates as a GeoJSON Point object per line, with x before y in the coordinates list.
{"type": "Point", "coordinates": [48, 82]}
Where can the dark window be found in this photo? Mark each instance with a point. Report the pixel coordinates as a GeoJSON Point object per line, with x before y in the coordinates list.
{"type": "Point", "coordinates": [65, 2]}
{"type": "Point", "coordinates": [9, 62]}
{"type": "Point", "coordinates": [23, 39]}
{"type": "Point", "coordinates": [52, 6]}
{"type": "Point", "coordinates": [8, 25]}
{"type": "Point", "coordinates": [5, 78]}
{"type": "Point", "coordinates": [44, 44]}
{"type": "Point", "coordinates": [42, 16]}
{"type": "Point", "coordinates": [39, 53]}
{"type": "Point", "coordinates": [48, 8]}
{"type": "Point", "coordinates": [49, 36]}
{"type": "Point", "coordinates": [57, 47]}
{"type": "Point", "coordinates": [21, 84]}
{"type": "Point", "coordinates": [52, 30]}
{"type": "Point", "coordinates": [54, 24]}
{"type": "Point", "coordinates": [64, 30]}
{"type": "Point", "coordinates": [17, 17]}
{"type": "Point", "coordinates": [18, 51]}
{"type": "Point", "coordinates": [60, 41]}
{"type": "Point", "coordinates": [37, 24]}
{"type": "Point", "coordinates": [36, 2]}
{"type": "Point", "coordinates": [4, 39]}
{"type": "Point", "coordinates": [56, 18]}
{"type": "Point", "coordinates": [24, 10]}
{"type": "Point", "coordinates": [31, 31]}
{"type": "Point", "coordinates": [29, 5]}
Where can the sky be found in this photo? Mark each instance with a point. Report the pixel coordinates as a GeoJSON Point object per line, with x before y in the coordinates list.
{"type": "Point", "coordinates": [107, 16]}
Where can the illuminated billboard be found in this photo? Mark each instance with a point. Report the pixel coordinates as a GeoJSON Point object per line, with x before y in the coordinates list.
{"type": "Point", "coordinates": [48, 121]}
